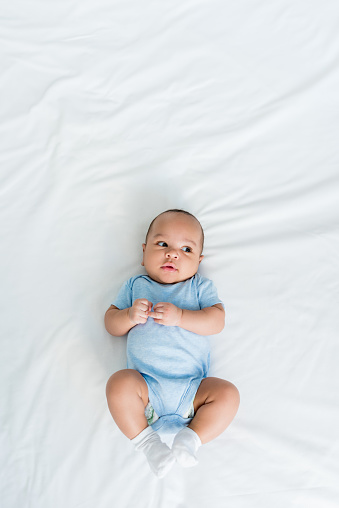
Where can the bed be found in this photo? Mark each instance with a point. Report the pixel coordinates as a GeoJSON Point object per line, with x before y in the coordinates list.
{"type": "Point", "coordinates": [113, 112]}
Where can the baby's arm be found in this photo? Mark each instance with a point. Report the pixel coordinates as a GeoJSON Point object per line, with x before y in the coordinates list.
{"type": "Point", "coordinates": [119, 322]}
{"type": "Point", "coordinates": [208, 321]}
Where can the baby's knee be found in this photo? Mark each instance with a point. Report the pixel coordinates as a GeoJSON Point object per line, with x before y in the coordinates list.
{"type": "Point", "coordinates": [231, 394]}
{"type": "Point", "coordinates": [116, 381]}
{"type": "Point", "coordinates": [124, 382]}
{"type": "Point", "coordinates": [224, 391]}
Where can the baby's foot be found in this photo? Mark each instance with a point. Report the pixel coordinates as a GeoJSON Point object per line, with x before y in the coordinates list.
{"type": "Point", "coordinates": [185, 447]}
{"type": "Point", "coordinates": [158, 454]}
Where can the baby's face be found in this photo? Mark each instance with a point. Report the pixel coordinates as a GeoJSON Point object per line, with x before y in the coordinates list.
{"type": "Point", "coordinates": [173, 249]}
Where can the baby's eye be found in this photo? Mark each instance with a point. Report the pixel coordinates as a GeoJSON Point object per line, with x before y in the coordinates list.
{"type": "Point", "coordinates": [187, 249]}
{"type": "Point", "coordinates": [162, 244]}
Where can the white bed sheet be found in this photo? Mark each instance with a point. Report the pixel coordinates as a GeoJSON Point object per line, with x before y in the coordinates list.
{"type": "Point", "coordinates": [112, 112]}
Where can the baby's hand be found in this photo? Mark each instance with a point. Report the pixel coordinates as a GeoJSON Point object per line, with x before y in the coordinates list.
{"type": "Point", "coordinates": [166, 314]}
{"type": "Point", "coordinates": [139, 311]}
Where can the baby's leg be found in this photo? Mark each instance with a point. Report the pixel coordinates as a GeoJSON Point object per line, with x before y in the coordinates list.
{"type": "Point", "coordinates": [127, 397]}
{"type": "Point", "coordinates": [215, 405]}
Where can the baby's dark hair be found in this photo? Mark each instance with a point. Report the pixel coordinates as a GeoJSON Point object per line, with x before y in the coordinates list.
{"type": "Point", "coordinates": [176, 210]}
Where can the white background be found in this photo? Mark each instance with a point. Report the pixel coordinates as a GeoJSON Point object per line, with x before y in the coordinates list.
{"type": "Point", "coordinates": [112, 112]}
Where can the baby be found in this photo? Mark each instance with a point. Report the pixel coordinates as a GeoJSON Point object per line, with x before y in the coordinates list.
{"type": "Point", "coordinates": [165, 388]}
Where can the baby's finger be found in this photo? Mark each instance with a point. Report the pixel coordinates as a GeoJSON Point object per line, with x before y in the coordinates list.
{"type": "Point", "coordinates": [142, 321]}
{"type": "Point", "coordinates": [159, 305]}
{"type": "Point", "coordinates": [143, 315]}
{"type": "Point", "coordinates": [155, 315]}
{"type": "Point", "coordinates": [159, 321]}
{"type": "Point", "coordinates": [142, 300]}
{"type": "Point", "coordinates": [147, 306]}
{"type": "Point", "coordinates": [159, 308]}
{"type": "Point", "coordinates": [142, 306]}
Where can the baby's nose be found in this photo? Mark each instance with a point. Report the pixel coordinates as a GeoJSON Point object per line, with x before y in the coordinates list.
{"type": "Point", "coordinates": [172, 253]}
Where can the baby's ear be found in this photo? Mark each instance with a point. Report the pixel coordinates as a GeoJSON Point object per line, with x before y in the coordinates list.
{"type": "Point", "coordinates": [201, 258]}
{"type": "Point", "coordinates": [143, 250]}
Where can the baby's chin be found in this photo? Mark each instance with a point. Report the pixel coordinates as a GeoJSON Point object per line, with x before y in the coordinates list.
{"type": "Point", "coordinates": [168, 277]}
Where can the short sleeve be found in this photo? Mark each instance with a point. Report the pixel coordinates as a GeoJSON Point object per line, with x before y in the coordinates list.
{"type": "Point", "coordinates": [124, 298]}
{"type": "Point", "coordinates": [207, 293]}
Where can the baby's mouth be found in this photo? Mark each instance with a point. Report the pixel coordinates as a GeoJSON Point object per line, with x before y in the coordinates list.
{"type": "Point", "coordinates": [169, 267]}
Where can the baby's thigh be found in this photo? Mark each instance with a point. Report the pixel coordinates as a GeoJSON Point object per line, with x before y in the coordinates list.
{"type": "Point", "coordinates": [127, 381]}
{"type": "Point", "coordinates": [214, 388]}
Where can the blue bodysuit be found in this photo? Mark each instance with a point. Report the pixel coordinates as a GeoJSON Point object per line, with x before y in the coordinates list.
{"type": "Point", "coordinates": [173, 361]}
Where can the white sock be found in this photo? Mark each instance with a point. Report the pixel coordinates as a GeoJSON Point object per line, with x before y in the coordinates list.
{"type": "Point", "coordinates": [158, 454]}
{"type": "Point", "coordinates": [185, 447]}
